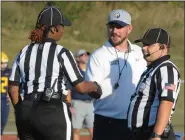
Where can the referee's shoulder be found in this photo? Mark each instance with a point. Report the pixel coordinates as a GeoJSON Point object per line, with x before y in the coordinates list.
{"type": "Point", "coordinates": [60, 46]}
{"type": "Point", "coordinates": [24, 48]}
{"type": "Point", "coordinates": [62, 49]}
{"type": "Point", "coordinates": [169, 64]}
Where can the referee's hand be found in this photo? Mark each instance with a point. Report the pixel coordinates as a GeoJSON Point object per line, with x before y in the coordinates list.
{"type": "Point", "coordinates": [97, 93]}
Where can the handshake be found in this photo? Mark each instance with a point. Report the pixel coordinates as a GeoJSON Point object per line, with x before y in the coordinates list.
{"type": "Point", "coordinates": [97, 93]}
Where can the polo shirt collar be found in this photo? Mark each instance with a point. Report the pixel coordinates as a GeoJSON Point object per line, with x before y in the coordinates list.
{"type": "Point", "coordinates": [112, 50]}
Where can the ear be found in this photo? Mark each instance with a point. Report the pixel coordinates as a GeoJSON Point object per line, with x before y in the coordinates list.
{"type": "Point", "coordinates": [130, 29]}
{"type": "Point", "coordinates": [54, 29]}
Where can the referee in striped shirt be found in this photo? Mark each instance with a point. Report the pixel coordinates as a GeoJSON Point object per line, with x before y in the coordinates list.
{"type": "Point", "coordinates": [41, 69]}
{"type": "Point", "coordinates": [153, 103]}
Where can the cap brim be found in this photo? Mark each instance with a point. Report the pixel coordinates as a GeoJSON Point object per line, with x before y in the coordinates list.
{"type": "Point", "coordinates": [144, 41]}
{"type": "Point", "coordinates": [66, 22]}
{"type": "Point", "coordinates": [138, 40]}
{"type": "Point", "coordinates": [123, 24]}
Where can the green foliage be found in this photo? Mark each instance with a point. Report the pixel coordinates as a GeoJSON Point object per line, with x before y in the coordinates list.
{"type": "Point", "coordinates": [176, 4]}
{"type": "Point", "coordinates": [73, 11]}
{"type": "Point", "coordinates": [89, 20]}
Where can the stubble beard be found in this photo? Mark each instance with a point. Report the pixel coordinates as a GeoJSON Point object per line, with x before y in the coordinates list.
{"type": "Point", "coordinates": [118, 42]}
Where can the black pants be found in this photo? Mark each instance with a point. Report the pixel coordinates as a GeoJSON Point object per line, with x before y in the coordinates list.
{"type": "Point", "coordinates": [145, 134]}
{"type": "Point", "coordinates": [43, 121]}
{"type": "Point", "coordinates": [106, 128]}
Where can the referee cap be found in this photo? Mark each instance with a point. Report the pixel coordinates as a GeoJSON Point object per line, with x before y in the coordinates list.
{"type": "Point", "coordinates": [80, 52]}
{"type": "Point", "coordinates": [155, 35]}
{"type": "Point", "coordinates": [120, 17]}
{"type": "Point", "coordinates": [52, 15]}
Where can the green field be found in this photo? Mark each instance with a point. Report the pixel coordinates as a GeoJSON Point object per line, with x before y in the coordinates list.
{"type": "Point", "coordinates": [89, 31]}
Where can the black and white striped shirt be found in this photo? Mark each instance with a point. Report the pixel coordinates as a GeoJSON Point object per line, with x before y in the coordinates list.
{"type": "Point", "coordinates": [38, 65]}
{"type": "Point", "coordinates": [161, 81]}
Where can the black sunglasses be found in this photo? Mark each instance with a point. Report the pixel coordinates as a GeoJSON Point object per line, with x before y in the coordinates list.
{"type": "Point", "coordinates": [114, 25]}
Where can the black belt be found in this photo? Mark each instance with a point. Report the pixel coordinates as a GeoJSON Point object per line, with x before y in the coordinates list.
{"type": "Point", "coordinates": [142, 130]}
{"type": "Point", "coordinates": [38, 96]}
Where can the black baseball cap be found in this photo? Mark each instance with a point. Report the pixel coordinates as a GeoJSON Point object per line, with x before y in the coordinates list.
{"type": "Point", "coordinates": [155, 35]}
{"type": "Point", "coordinates": [52, 15]}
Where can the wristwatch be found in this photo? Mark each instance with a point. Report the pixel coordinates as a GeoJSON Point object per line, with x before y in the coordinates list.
{"type": "Point", "coordinates": [154, 135]}
{"type": "Point", "coordinates": [68, 104]}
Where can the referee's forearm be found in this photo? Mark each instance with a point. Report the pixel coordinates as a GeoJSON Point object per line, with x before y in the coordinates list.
{"type": "Point", "coordinates": [13, 92]}
{"type": "Point", "coordinates": [86, 87]}
{"type": "Point", "coordinates": [163, 116]}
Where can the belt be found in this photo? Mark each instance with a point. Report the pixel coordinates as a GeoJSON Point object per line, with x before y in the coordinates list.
{"type": "Point", "coordinates": [38, 95]}
{"type": "Point", "coordinates": [83, 100]}
{"type": "Point", "coordinates": [142, 130]}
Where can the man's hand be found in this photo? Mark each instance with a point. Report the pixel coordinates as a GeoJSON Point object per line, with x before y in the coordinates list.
{"type": "Point", "coordinates": [96, 94]}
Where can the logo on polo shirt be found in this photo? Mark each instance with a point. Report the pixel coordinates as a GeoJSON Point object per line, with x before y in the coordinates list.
{"type": "Point", "coordinates": [114, 62]}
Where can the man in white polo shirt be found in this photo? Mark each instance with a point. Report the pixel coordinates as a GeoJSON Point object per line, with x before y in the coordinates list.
{"type": "Point", "coordinates": [117, 67]}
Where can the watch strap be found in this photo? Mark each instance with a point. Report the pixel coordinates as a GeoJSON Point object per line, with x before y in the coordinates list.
{"type": "Point", "coordinates": [154, 135]}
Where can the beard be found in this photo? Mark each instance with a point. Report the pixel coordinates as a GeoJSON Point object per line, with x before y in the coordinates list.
{"type": "Point", "coordinates": [118, 42]}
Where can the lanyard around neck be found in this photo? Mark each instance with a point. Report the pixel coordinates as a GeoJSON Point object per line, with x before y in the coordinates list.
{"type": "Point", "coordinates": [120, 70]}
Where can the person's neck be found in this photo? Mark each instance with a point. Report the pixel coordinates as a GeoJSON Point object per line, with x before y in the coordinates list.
{"type": "Point", "coordinates": [51, 36]}
{"type": "Point", "coordinates": [150, 62]}
{"type": "Point", "coordinates": [123, 47]}
{"type": "Point", "coordinates": [82, 66]}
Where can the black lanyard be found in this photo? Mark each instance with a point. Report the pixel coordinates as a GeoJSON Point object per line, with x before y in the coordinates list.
{"type": "Point", "coordinates": [120, 70]}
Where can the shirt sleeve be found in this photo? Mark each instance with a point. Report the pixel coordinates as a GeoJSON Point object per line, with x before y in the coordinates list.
{"type": "Point", "coordinates": [15, 74]}
{"type": "Point", "coordinates": [95, 70]}
{"type": "Point", "coordinates": [168, 82]}
{"type": "Point", "coordinates": [69, 66]}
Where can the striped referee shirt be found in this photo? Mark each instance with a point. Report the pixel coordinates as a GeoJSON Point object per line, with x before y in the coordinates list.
{"type": "Point", "coordinates": [161, 81]}
{"type": "Point", "coordinates": [38, 65]}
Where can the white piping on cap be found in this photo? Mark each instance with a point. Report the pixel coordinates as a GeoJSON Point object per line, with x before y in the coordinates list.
{"type": "Point", "coordinates": [158, 34]}
{"type": "Point", "coordinates": [51, 15]}
{"type": "Point", "coordinates": [42, 13]}
{"type": "Point", "coordinates": [146, 33]}
{"type": "Point", "coordinates": [59, 13]}
{"type": "Point", "coordinates": [168, 37]}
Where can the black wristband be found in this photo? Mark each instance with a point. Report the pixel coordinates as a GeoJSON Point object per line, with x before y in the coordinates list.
{"type": "Point", "coordinates": [97, 93]}
{"type": "Point", "coordinates": [96, 85]}
{"type": "Point", "coordinates": [154, 135]}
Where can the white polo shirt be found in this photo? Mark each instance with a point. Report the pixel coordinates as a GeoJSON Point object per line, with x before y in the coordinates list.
{"type": "Point", "coordinates": [103, 67]}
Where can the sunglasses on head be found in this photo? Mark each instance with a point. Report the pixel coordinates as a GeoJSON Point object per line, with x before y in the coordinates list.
{"type": "Point", "coordinates": [114, 25]}
{"type": "Point", "coordinates": [83, 54]}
